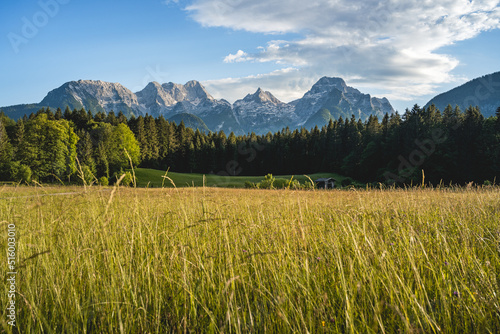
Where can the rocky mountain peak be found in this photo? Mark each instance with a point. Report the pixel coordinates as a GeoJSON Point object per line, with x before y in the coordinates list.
{"type": "Point", "coordinates": [92, 82]}
{"type": "Point", "coordinates": [176, 91]}
{"type": "Point", "coordinates": [191, 91]}
{"type": "Point", "coordinates": [195, 90]}
{"type": "Point", "coordinates": [153, 84]}
{"type": "Point", "coordinates": [261, 96]}
{"type": "Point", "coordinates": [335, 94]}
{"type": "Point", "coordinates": [331, 81]}
{"type": "Point", "coordinates": [327, 85]}
{"type": "Point", "coordinates": [151, 88]}
{"type": "Point", "coordinates": [153, 96]}
{"type": "Point", "coordinates": [99, 89]}
{"type": "Point", "coordinates": [95, 95]}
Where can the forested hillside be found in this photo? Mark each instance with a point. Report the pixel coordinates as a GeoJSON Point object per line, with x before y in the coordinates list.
{"type": "Point", "coordinates": [450, 146]}
{"type": "Point", "coordinates": [483, 91]}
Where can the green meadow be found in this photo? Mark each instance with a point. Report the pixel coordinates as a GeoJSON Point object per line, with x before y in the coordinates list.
{"type": "Point", "coordinates": [153, 178]}
{"type": "Point", "coordinates": [211, 260]}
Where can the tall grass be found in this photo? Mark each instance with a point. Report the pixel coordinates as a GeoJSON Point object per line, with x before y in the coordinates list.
{"type": "Point", "coordinates": [224, 260]}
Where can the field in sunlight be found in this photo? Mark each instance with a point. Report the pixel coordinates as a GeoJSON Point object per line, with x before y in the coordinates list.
{"type": "Point", "coordinates": [102, 260]}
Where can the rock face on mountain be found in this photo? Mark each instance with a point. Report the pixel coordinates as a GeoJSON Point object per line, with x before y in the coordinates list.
{"type": "Point", "coordinates": [260, 112]}
{"type": "Point", "coordinates": [192, 98]}
{"type": "Point", "coordinates": [161, 99]}
{"type": "Point", "coordinates": [93, 95]}
{"type": "Point", "coordinates": [483, 92]}
{"type": "Point", "coordinates": [154, 98]}
{"type": "Point", "coordinates": [334, 95]}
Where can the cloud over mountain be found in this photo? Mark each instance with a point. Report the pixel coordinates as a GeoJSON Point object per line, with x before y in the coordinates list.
{"type": "Point", "coordinates": [393, 43]}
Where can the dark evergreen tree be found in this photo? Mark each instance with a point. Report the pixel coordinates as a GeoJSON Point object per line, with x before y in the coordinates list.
{"type": "Point", "coordinates": [19, 134]}
{"type": "Point", "coordinates": [100, 117]}
{"type": "Point", "coordinates": [152, 155]}
{"type": "Point", "coordinates": [121, 118]}
{"type": "Point", "coordinates": [140, 134]}
{"type": "Point", "coordinates": [166, 143]}
{"type": "Point", "coordinates": [67, 114]}
{"type": "Point", "coordinates": [5, 152]}
{"type": "Point", "coordinates": [80, 118]}
{"type": "Point", "coordinates": [111, 118]}
{"type": "Point", "coordinates": [58, 115]}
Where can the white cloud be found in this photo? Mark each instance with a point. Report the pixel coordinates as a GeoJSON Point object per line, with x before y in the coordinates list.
{"type": "Point", "coordinates": [394, 43]}
{"type": "Point", "coordinates": [236, 58]}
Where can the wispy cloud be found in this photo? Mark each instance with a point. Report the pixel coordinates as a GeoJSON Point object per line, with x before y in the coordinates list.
{"type": "Point", "coordinates": [170, 2]}
{"type": "Point", "coordinates": [393, 43]}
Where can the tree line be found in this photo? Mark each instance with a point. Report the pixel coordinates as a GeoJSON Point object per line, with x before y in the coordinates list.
{"type": "Point", "coordinates": [449, 146]}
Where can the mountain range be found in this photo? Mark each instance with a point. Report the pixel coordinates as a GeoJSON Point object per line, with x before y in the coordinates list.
{"type": "Point", "coordinates": [260, 112]}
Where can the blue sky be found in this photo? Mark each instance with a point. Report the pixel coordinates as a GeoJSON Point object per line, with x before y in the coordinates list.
{"type": "Point", "coordinates": [407, 50]}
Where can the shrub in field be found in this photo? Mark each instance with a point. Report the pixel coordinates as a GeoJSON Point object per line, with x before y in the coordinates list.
{"type": "Point", "coordinates": [280, 183]}
{"type": "Point", "coordinates": [267, 183]}
{"type": "Point", "coordinates": [85, 175]}
{"type": "Point", "coordinates": [127, 180]}
{"type": "Point", "coordinates": [308, 186]}
{"type": "Point", "coordinates": [103, 181]}
{"type": "Point", "coordinates": [270, 182]}
{"type": "Point", "coordinates": [293, 184]}
{"type": "Point", "coordinates": [250, 185]}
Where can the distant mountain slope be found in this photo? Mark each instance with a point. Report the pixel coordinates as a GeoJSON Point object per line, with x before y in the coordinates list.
{"type": "Point", "coordinates": [19, 110]}
{"type": "Point", "coordinates": [320, 119]}
{"type": "Point", "coordinates": [483, 92]}
{"type": "Point", "coordinates": [190, 121]}
{"type": "Point", "coordinates": [219, 115]}
{"type": "Point", "coordinates": [260, 112]}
